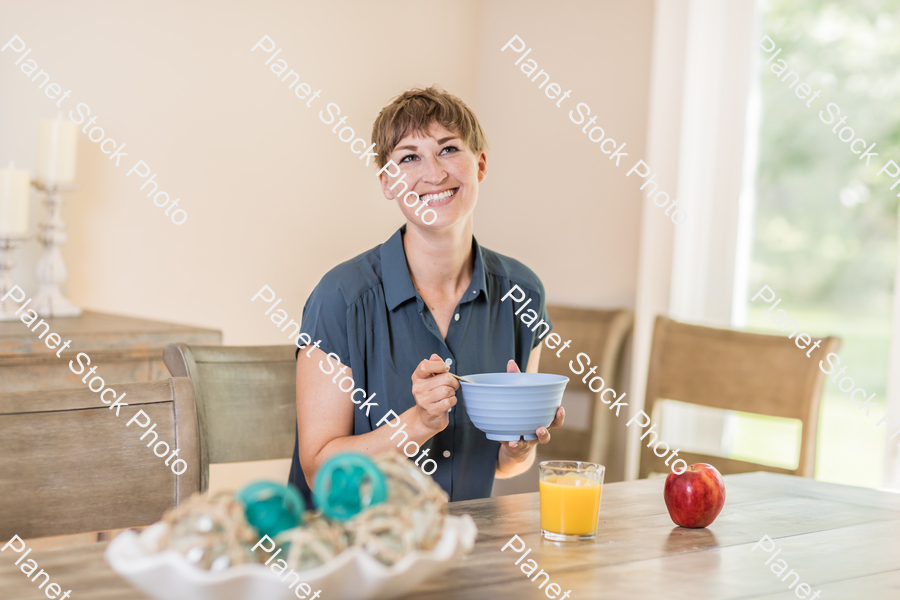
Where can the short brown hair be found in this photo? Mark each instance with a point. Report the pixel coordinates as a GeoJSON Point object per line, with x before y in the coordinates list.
{"type": "Point", "coordinates": [415, 110]}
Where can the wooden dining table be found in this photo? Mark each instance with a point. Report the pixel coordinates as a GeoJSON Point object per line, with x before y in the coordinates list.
{"type": "Point", "coordinates": [843, 542]}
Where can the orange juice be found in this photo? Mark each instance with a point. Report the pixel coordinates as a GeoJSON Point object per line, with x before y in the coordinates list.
{"type": "Point", "coordinates": [570, 504]}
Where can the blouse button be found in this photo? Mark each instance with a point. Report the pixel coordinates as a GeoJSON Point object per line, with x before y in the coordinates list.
{"type": "Point", "coordinates": [446, 454]}
{"type": "Point", "coordinates": [456, 317]}
{"type": "Point", "coordinates": [449, 361]}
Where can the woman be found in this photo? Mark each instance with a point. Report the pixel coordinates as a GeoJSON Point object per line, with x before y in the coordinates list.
{"type": "Point", "coordinates": [425, 303]}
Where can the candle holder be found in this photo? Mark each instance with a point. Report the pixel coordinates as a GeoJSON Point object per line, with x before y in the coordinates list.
{"type": "Point", "coordinates": [8, 245]}
{"type": "Point", "coordinates": [51, 269]}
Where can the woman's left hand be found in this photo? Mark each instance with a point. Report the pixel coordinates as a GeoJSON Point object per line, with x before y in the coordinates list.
{"type": "Point", "coordinates": [521, 449]}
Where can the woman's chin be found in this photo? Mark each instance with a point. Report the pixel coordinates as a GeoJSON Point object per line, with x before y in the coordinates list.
{"type": "Point", "coordinates": [446, 218]}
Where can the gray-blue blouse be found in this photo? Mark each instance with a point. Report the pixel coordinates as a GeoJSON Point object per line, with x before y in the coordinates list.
{"type": "Point", "coordinates": [367, 312]}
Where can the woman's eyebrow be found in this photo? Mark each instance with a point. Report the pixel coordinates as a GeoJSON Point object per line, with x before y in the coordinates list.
{"type": "Point", "coordinates": [415, 148]}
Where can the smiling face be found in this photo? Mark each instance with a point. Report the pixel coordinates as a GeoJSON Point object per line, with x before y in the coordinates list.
{"type": "Point", "coordinates": [442, 170]}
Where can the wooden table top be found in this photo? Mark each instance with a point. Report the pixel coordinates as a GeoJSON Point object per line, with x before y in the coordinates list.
{"type": "Point", "coordinates": [842, 541]}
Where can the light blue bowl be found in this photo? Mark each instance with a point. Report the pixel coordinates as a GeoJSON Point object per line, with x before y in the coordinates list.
{"type": "Point", "coordinates": [511, 406]}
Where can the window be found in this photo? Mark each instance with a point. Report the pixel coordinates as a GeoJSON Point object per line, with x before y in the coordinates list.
{"type": "Point", "coordinates": [825, 225]}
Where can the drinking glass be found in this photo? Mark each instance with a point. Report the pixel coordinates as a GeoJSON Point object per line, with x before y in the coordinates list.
{"type": "Point", "coordinates": [570, 499]}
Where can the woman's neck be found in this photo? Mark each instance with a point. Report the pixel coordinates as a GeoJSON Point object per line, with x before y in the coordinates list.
{"type": "Point", "coordinates": [440, 260]}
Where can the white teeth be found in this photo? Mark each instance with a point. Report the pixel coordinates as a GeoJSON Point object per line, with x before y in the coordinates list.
{"type": "Point", "coordinates": [438, 197]}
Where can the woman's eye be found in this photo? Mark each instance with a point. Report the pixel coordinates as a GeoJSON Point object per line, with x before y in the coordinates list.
{"type": "Point", "coordinates": [408, 157]}
{"type": "Point", "coordinates": [453, 148]}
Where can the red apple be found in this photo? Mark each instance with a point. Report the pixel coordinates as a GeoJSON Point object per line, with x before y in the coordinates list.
{"type": "Point", "coordinates": [695, 497]}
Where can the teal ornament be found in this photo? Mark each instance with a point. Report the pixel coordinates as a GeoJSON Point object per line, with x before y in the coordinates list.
{"type": "Point", "coordinates": [272, 508]}
{"type": "Point", "coordinates": [347, 484]}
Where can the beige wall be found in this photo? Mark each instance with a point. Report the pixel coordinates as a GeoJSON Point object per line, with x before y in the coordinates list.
{"type": "Point", "coordinates": [552, 198]}
{"type": "Point", "coordinates": [273, 197]}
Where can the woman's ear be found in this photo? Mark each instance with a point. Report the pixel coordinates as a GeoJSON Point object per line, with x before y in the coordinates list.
{"type": "Point", "coordinates": [386, 186]}
{"type": "Point", "coordinates": [482, 166]}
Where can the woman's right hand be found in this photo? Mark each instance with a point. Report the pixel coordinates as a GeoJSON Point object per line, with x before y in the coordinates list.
{"type": "Point", "coordinates": [434, 390]}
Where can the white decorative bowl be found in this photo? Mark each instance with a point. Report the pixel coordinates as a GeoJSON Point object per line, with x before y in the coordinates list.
{"type": "Point", "coordinates": [352, 575]}
{"type": "Point", "coordinates": [510, 406]}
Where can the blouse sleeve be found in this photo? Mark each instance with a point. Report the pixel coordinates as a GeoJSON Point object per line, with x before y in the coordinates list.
{"type": "Point", "coordinates": [325, 319]}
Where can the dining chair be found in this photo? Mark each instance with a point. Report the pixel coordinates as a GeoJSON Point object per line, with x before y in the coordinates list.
{"type": "Point", "coordinates": [737, 371]}
{"type": "Point", "coordinates": [602, 335]}
{"type": "Point", "coordinates": [246, 400]}
{"type": "Point", "coordinates": [69, 465]}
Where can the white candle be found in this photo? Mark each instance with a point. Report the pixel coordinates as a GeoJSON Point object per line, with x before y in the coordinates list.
{"type": "Point", "coordinates": [56, 150]}
{"type": "Point", "coordinates": [14, 185]}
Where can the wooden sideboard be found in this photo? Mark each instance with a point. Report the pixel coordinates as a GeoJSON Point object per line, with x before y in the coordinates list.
{"type": "Point", "coordinates": [124, 349]}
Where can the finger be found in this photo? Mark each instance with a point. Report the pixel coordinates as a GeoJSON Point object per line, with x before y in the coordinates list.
{"type": "Point", "coordinates": [543, 435]}
{"type": "Point", "coordinates": [512, 367]}
{"type": "Point", "coordinates": [558, 419]}
{"type": "Point", "coordinates": [427, 368]}
{"type": "Point", "coordinates": [445, 380]}
{"type": "Point", "coordinates": [434, 365]}
{"type": "Point", "coordinates": [438, 399]}
{"type": "Point", "coordinates": [440, 391]}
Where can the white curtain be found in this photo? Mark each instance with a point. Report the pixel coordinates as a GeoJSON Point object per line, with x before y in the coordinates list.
{"type": "Point", "coordinates": [701, 85]}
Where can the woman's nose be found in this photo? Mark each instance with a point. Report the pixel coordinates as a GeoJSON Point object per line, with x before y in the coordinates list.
{"type": "Point", "coordinates": [434, 172]}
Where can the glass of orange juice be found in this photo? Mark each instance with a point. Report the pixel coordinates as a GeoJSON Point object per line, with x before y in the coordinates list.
{"type": "Point", "coordinates": [570, 499]}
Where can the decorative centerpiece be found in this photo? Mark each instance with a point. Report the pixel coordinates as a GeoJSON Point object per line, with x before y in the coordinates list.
{"type": "Point", "coordinates": [382, 529]}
